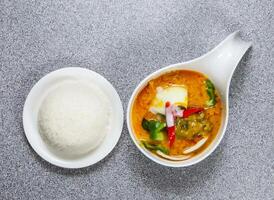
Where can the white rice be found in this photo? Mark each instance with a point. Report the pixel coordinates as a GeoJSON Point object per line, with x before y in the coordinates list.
{"type": "Point", "coordinates": [74, 117]}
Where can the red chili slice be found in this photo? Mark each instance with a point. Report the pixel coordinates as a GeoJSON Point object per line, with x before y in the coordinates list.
{"type": "Point", "coordinates": [191, 111]}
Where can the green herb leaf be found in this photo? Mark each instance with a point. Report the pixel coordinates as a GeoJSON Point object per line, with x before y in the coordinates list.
{"type": "Point", "coordinates": [210, 89]}
{"type": "Point", "coordinates": [154, 147]}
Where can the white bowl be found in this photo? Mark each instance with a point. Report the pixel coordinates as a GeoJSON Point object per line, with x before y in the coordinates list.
{"type": "Point", "coordinates": [34, 100]}
{"type": "Point", "coordinates": [219, 65]}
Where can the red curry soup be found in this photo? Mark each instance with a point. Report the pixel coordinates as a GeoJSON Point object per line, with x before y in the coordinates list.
{"type": "Point", "coordinates": [177, 115]}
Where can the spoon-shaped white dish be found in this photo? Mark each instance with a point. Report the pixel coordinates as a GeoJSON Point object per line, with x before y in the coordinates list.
{"type": "Point", "coordinates": [219, 65]}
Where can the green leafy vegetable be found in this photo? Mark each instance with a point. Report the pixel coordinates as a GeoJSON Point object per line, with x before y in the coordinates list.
{"type": "Point", "coordinates": [155, 129]}
{"type": "Point", "coordinates": [159, 136]}
{"type": "Point", "coordinates": [210, 89]}
{"type": "Point", "coordinates": [154, 147]}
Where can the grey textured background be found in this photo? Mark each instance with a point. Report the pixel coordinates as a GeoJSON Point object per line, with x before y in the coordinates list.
{"type": "Point", "coordinates": [125, 41]}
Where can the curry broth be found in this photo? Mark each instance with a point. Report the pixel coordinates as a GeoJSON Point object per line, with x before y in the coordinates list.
{"type": "Point", "coordinates": [197, 96]}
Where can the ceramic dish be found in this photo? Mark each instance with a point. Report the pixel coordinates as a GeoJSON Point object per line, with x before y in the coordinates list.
{"type": "Point", "coordinates": [34, 100]}
{"type": "Point", "coordinates": [218, 65]}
